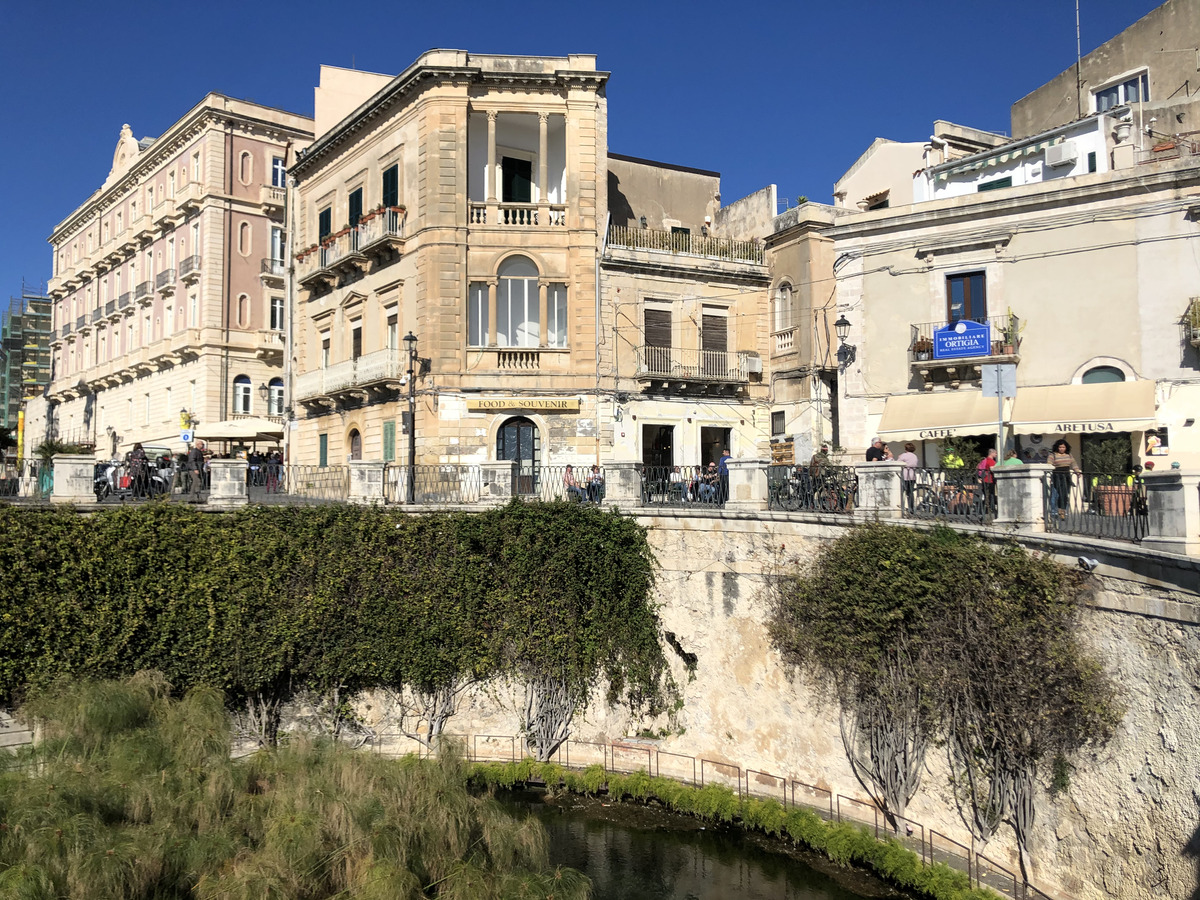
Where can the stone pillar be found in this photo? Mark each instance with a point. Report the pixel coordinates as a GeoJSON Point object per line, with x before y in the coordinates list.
{"type": "Point", "coordinates": [366, 481]}
{"type": "Point", "coordinates": [1173, 501]}
{"type": "Point", "coordinates": [491, 330]}
{"type": "Point", "coordinates": [73, 479]}
{"type": "Point", "coordinates": [227, 483]}
{"type": "Point", "coordinates": [543, 198]}
{"type": "Point", "coordinates": [491, 172]}
{"type": "Point", "coordinates": [623, 484]}
{"type": "Point", "coordinates": [879, 489]}
{"type": "Point", "coordinates": [543, 327]}
{"type": "Point", "coordinates": [497, 481]}
{"type": "Point", "coordinates": [1021, 496]}
{"type": "Point", "coordinates": [747, 485]}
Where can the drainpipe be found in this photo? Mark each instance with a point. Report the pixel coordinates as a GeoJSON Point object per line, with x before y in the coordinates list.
{"type": "Point", "coordinates": [288, 295]}
{"type": "Point", "coordinates": [227, 260]}
{"type": "Point", "coordinates": [599, 256]}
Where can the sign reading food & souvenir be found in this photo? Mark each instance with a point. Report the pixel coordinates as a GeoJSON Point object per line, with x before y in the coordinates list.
{"type": "Point", "coordinates": [544, 404]}
{"type": "Point", "coordinates": [962, 338]}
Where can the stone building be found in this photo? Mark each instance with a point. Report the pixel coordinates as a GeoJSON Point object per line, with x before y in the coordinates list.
{"type": "Point", "coordinates": [168, 283]}
{"type": "Point", "coordinates": [24, 355]}
{"type": "Point", "coordinates": [465, 202]}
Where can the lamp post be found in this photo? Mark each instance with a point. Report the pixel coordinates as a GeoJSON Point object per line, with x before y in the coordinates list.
{"type": "Point", "coordinates": [846, 352]}
{"type": "Point", "coordinates": [410, 341]}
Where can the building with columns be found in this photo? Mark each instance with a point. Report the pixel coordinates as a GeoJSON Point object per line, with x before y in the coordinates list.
{"type": "Point", "coordinates": [168, 283]}
{"type": "Point", "coordinates": [467, 202]}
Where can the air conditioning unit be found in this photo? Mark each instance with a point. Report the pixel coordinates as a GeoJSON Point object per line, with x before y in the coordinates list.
{"type": "Point", "coordinates": [754, 365]}
{"type": "Point", "coordinates": [1063, 154]}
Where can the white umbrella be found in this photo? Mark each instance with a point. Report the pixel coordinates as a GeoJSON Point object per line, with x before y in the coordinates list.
{"type": "Point", "coordinates": [248, 429]}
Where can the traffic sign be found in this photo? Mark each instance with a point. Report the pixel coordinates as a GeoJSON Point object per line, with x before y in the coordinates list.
{"type": "Point", "coordinates": [999, 380]}
{"type": "Point", "coordinates": [187, 436]}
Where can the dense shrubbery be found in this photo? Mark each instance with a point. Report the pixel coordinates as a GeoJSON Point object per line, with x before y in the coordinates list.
{"type": "Point", "coordinates": [843, 843]}
{"type": "Point", "coordinates": [133, 794]}
{"type": "Point", "coordinates": [272, 603]}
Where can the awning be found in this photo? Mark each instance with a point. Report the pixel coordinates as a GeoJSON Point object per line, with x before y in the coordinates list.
{"type": "Point", "coordinates": [923, 417]}
{"type": "Point", "coordinates": [248, 429]}
{"type": "Point", "coordinates": [1084, 408]}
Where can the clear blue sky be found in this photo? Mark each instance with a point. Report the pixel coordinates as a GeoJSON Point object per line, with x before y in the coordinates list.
{"type": "Point", "coordinates": [788, 93]}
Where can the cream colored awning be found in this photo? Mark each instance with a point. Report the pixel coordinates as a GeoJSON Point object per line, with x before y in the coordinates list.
{"type": "Point", "coordinates": [925, 417]}
{"type": "Point", "coordinates": [1084, 408]}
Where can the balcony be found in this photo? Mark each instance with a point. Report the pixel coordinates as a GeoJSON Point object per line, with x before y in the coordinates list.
{"type": "Point", "coordinates": [272, 199]}
{"type": "Point", "coordinates": [686, 244]}
{"type": "Point", "coordinates": [683, 370]}
{"type": "Point", "coordinates": [379, 371]}
{"type": "Point", "coordinates": [185, 344]}
{"type": "Point", "coordinates": [125, 302]}
{"type": "Point", "coordinates": [272, 272]}
{"type": "Point", "coordinates": [66, 329]}
{"type": "Point", "coordinates": [930, 358]}
{"type": "Point", "coordinates": [142, 228]}
{"type": "Point", "coordinates": [164, 282]}
{"type": "Point", "coordinates": [270, 345]}
{"type": "Point", "coordinates": [378, 238]}
{"type": "Point", "coordinates": [98, 313]}
{"type": "Point", "coordinates": [166, 214]}
{"type": "Point", "coordinates": [783, 342]}
{"type": "Point", "coordinates": [188, 197]}
{"type": "Point", "coordinates": [189, 270]}
{"type": "Point", "coordinates": [144, 293]}
{"type": "Point", "coordinates": [518, 215]}
{"type": "Point", "coordinates": [110, 308]}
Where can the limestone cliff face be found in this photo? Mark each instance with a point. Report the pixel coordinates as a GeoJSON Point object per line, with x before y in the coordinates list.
{"type": "Point", "coordinates": [1121, 830]}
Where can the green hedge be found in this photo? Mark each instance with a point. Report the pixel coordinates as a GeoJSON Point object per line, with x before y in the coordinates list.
{"type": "Point", "coordinates": [843, 843]}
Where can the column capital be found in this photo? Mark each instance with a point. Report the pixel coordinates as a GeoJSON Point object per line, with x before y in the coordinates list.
{"type": "Point", "coordinates": [491, 115]}
{"type": "Point", "coordinates": [543, 118]}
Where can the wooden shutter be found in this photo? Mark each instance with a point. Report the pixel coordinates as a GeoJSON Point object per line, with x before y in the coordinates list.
{"type": "Point", "coordinates": [658, 328]}
{"type": "Point", "coordinates": [389, 441]}
{"type": "Point", "coordinates": [355, 207]}
{"type": "Point", "coordinates": [324, 224]}
{"type": "Point", "coordinates": [715, 335]}
{"type": "Point", "coordinates": [391, 186]}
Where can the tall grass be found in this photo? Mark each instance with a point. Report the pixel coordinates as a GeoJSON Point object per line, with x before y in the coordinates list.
{"type": "Point", "coordinates": [132, 795]}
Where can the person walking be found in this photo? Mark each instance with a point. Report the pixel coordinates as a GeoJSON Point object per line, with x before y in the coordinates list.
{"type": "Point", "coordinates": [908, 475]}
{"type": "Point", "coordinates": [139, 471]}
{"type": "Point", "coordinates": [195, 467]}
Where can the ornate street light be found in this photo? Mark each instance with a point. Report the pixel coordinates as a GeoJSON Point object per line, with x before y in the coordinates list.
{"type": "Point", "coordinates": [410, 341]}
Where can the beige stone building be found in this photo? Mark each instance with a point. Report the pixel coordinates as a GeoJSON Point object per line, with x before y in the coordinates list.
{"type": "Point", "coordinates": [168, 283]}
{"type": "Point", "coordinates": [466, 202]}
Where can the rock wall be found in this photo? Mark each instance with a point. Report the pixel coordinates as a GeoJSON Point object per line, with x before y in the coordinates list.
{"type": "Point", "coordinates": [1120, 831]}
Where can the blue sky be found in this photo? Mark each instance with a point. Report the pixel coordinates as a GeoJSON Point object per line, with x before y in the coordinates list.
{"type": "Point", "coordinates": [788, 93]}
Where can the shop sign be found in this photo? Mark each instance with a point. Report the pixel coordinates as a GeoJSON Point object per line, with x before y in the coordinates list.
{"type": "Point", "coordinates": [962, 338]}
{"type": "Point", "coordinates": [546, 404]}
{"type": "Point", "coordinates": [1085, 427]}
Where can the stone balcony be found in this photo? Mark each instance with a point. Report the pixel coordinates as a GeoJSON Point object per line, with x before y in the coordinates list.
{"type": "Point", "coordinates": [377, 239]}
{"type": "Point", "coordinates": [270, 345]}
{"type": "Point", "coordinates": [937, 362]}
{"type": "Point", "coordinates": [272, 199]}
{"type": "Point", "coordinates": [370, 374]}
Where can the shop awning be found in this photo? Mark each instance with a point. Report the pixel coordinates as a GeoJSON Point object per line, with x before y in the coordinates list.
{"type": "Point", "coordinates": [1084, 408]}
{"type": "Point", "coordinates": [248, 429]}
{"type": "Point", "coordinates": [923, 417]}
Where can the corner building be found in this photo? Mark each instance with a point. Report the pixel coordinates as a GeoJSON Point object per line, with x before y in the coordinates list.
{"type": "Point", "coordinates": [168, 283]}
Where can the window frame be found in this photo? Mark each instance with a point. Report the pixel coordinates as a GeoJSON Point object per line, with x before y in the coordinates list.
{"type": "Point", "coordinates": [969, 314]}
{"type": "Point", "coordinates": [243, 395]}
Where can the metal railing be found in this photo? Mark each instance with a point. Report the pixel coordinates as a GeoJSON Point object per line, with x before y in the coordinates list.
{"type": "Point", "coordinates": [294, 485]}
{"type": "Point", "coordinates": [111, 306]}
{"type": "Point", "coordinates": [693, 365]}
{"type": "Point", "coordinates": [824, 489]}
{"type": "Point", "coordinates": [685, 243]}
{"type": "Point", "coordinates": [387, 224]}
{"type": "Point", "coordinates": [164, 278]}
{"type": "Point", "coordinates": [683, 486]}
{"type": "Point", "coordinates": [1100, 504]}
{"type": "Point", "coordinates": [1005, 337]}
{"type": "Point", "coordinates": [437, 484]}
{"type": "Point", "coordinates": [145, 289]}
{"type": "Point", "coordinates": [276, 267]}
{"type": "Point", "coordinates": [379, 365]}
{"type": "Point", "coordinates": [29, 479]}
{"type": "Point", "coordinates": [98, 313]}
{"type": "Point", "coordinates": [581, 484]}
{"type": "Point", "coordinates": [189, 265]}
{"type": "Point", "coordinates": [951, 495]}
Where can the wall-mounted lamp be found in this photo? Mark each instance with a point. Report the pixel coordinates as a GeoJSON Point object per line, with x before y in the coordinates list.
{"type": "Point", "coordinates": [617, 414]}
{"type": "Point", "coordinates": [846, 353]}
{"type": "Point", "coordinates": [263, 390]}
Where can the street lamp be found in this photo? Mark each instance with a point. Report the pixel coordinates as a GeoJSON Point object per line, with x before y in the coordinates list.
{"type": "Point", "coordinates": [847, 353]}
{"type": "Point", "coordinates": [410, 342]}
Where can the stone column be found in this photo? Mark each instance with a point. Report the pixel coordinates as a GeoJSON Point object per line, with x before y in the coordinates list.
{"type": "Point", "coordinates": [491, 163]}
{"type": "Point", "coordinates": [623, 484]}
{"type": "Point", "coordinates": [543, 330]}
{"type": "Point", "coordinates": [73, 479]}
{"type": "Point", "coordinates": [1173, 501]}
{"type": "Point", "coordinates": [747, 485]}
{"type": "Point", "coordinates": [543, 144]}
{"type": "Point", "coordinates": [1021, 496]}
{"type": "Point", "coordinates": [879, 490]}
{"type": "Point", "coordinates": [227, 483]}
{"type": "Point", "coordinates": [497, 481]}
{"type": "Point", "coordinates": [492, 287]}
{"type": "Point", "coordinates": [366, 481]}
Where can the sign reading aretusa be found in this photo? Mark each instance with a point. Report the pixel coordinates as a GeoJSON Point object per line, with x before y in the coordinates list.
{"type": "Point", "coordinates": [549, 404]}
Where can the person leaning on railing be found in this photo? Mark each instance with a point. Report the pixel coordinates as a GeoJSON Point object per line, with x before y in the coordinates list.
{"type": "Point", "coordinates": [1060, 479]}
{"type": "Point", "coordinates": [574, 491]}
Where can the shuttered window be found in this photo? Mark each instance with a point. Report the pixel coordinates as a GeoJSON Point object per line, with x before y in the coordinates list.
{"type": "Point", "coordinates": [658, 328]}
{"type": "Point", "coordinates": [324, 224]}
{"type": "Point", "coordinates": [322, 449]}
{"type": "Point", "coordinates": [391, 186]}
{"type": "Point", "coordinates": [715, 336]}
{"type": "Point", "coordinates": [389, 441]}
{"type": "Point", "coordinates": [355, 207]}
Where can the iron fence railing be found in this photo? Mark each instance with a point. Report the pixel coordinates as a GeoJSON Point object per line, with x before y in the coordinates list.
{"type": "Point", "coordinates": [1100, 504]}
{"type": "Point", "coordinates": [685, 243]}
{"type": "Point", "coordinates": [683, 486]}
{"type": "Point", "coordinates": [951, 495]}
{"type": "Point", "coordinates": [28, 479]}
{"type": "Point", "coordinates": [1004, 336]}
{"type": "Point", "coordinates": [579, 483]}
{"type": "Point", "coordinates": [298, 485]}
{"type": "Point", "coordinates": [692, 364]}
{"type": "Point", "coordinates": [436, 484]}
{"type": "Point", "coordinates": [823, 489]}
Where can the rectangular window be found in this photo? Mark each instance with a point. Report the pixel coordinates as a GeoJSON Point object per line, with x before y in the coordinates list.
{"type": "Point", "coordinates": [658, 332]}
{"type": "Point", "coordinates": [324, 223]}
{"type": "Point", "coordinates": [355, 207]}
{"type": "Point", "coordinates": [778, 422]}
{"type": "Point", "coordinates": [277, 314]}
{"type": "Point", "coordinates": [556, 315]}
{"type": "Point", "coordinates": [966, 297]}
{"type": "Point", "coordinates": [516, 180]}
{"type": "Point", "coordinates": [146, 411]}
{"type": "Point", "coordinates": [355, 341]}
{"type": "Point", "coordinates": [196, 166]}
{"type": "Point", "coordinates": [278, 242]}
{"type": "Point", "coordinates": [322, 449]}
{"type": "Point", "coordinates": [390, 195]}
{"type": "Point", "coordinates": [171, 185]}
{"type": "Point", "coordinates": [194, 311]}
{"type": "Point", "coordinates": [278, 172]}
{"type": "Point", "coordinates": [714, 336]}
{"type": "Point", "coordinates": [393, 332]}
{"type": "Point", "coordinates": [389, 441]}
{"type": "Point", "coordinates": [1092, 161]}
{"type": "Point", "coordinates": [477, 315]}
{"type": "Point", "coordinates": [325, 350]}
{"type": "Point", "coordinates": [1005, 182]}
{"type": "Point", "coordinates": [1133, 90]}
{"type": "Point", "coordinates": [517, 313]}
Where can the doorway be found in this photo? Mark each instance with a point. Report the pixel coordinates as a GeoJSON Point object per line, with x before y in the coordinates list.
{"type": "Point", "coordinates": [519, 442]}
{"type": "Point", "coordinates": [712, 442]}
{"type": "Point", "coordinates": [658, 446]}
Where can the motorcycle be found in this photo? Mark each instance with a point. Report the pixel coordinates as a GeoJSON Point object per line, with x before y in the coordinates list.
{"type": "Point", "coordinates": [112, 479]}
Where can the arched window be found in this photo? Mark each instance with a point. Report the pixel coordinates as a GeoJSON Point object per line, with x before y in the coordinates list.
{"type": "Point", "coordinates": [246, 167]}
{"type": "Point", "coordinates": [1103, 375]}
{"type": "Point", "coordinates": [355, 440]}
{"type": "Point", "coordinates": [241, 395]}
{"type": "Point", "coordinates": [783, 307]}
{"type": "Point", "coordinates": [517, 304]}
{"type": "Point", "coordinates": [519, 442]}
{"type": "Point", "coordinates": [244, 239]}
{"type": "Point", "coordinates": [243, 310]}
{"type": "Point", "coordinates": [275, 397]}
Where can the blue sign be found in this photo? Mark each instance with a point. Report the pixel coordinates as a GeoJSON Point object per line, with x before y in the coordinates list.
{"type": "Point", "coordinates": [962, 338]}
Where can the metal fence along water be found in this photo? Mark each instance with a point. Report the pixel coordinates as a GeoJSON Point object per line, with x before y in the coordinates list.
{"type": "Point", "coordinates": [1099, 504]}
{"type": "Point", "coordinates": [820, 489]}
{"type": "Point", "coordinates": [951, 495]}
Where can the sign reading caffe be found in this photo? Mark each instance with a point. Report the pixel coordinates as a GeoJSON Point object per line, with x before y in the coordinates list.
{"type": "Point", "coordinates": [542, 404]}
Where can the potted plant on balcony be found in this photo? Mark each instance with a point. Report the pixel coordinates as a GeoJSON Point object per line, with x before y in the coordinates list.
{"type": "Point", "coordinates": [1012, 335]}
{"type": "Point", "coordinates": [922, 348]}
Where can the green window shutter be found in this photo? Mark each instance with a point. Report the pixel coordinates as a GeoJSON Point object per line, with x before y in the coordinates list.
{"type": "Point", "coordinates": [322, 449]}
{"type": "Point", "coordinates": [389, 441]}
{"type": "Point", "coordinates": [391, 186]}
{"type": "Point", "coordinates": [355, 207]}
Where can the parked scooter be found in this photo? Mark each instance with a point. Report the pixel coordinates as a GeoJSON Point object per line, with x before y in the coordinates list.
{"type": "Point", "coordinates": [112, 479]}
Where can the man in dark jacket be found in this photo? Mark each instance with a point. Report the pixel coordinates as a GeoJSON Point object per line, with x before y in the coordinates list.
{"type": "Point", "coordinates": [195, 467]}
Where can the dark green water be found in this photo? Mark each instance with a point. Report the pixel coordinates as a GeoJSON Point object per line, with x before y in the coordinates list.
{"type": "Point", "coordinates": [635, 853]}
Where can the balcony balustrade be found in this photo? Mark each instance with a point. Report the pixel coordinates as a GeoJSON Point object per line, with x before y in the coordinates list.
{"type": "Point", "coordinates": [188, 197]}
{"type": "Point", "coordinates": [378, 369]}
{"type": "Point", "coordinates": [98, 314]}
{"type": "Point", "coordinates": [272, 198]}
{"type": "Point", "coordinates": [680, 366]}
{"type": "Point", "coordinates": [677, 242]}
{"type": "Point", "coordinates": [144, 292]}
{"type": "Point", "coordinates": [164, 282]}
{"type": "Point", "coordinates": [189, 269]}
{"type": "Point", "coordinates": [125, 301]}
{"type": "Point", "coordinates": [66, 329]}
{"type": "Point", "coordinates": [1002, 345]}
{"type": "Point", "coordinates": [142, 227]}
{"type": "Point", "coordinates": [270, 344]}
{"type": "Point", "coordinates": [110, 307]}
{"type": "Point", "coordinates": [378, 236]}
{"type": "Point", "coordinates": [518, 215]}
{"type": "Point", "coordinates": [273, 271]}
{"type": "Point", "coordinates": [1192, 322]}
{"type": "Point", "coordinates": [784, 341]}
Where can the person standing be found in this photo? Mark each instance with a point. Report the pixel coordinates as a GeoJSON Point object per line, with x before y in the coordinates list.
{"type": "Point", "coordinates": [139, 471]}
{"type": "Point", "coordinates": [723, 471]}
{"type": "Point", "coordinates": [195, 467]}
{"type": "Point", "coordinates": [875, 451]}
{"type": "Point", "coordinates": [987, 480]}
{"type": "Point", "coordinates": [1060, 479]}
{"type": "Point", "coordinates": [908, 475]}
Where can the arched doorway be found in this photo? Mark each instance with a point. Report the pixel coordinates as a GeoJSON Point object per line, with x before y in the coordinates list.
{"type": "Point", "coordinates": [355, 440]}
{"type": "Point", "coordinates": [519, 442]}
